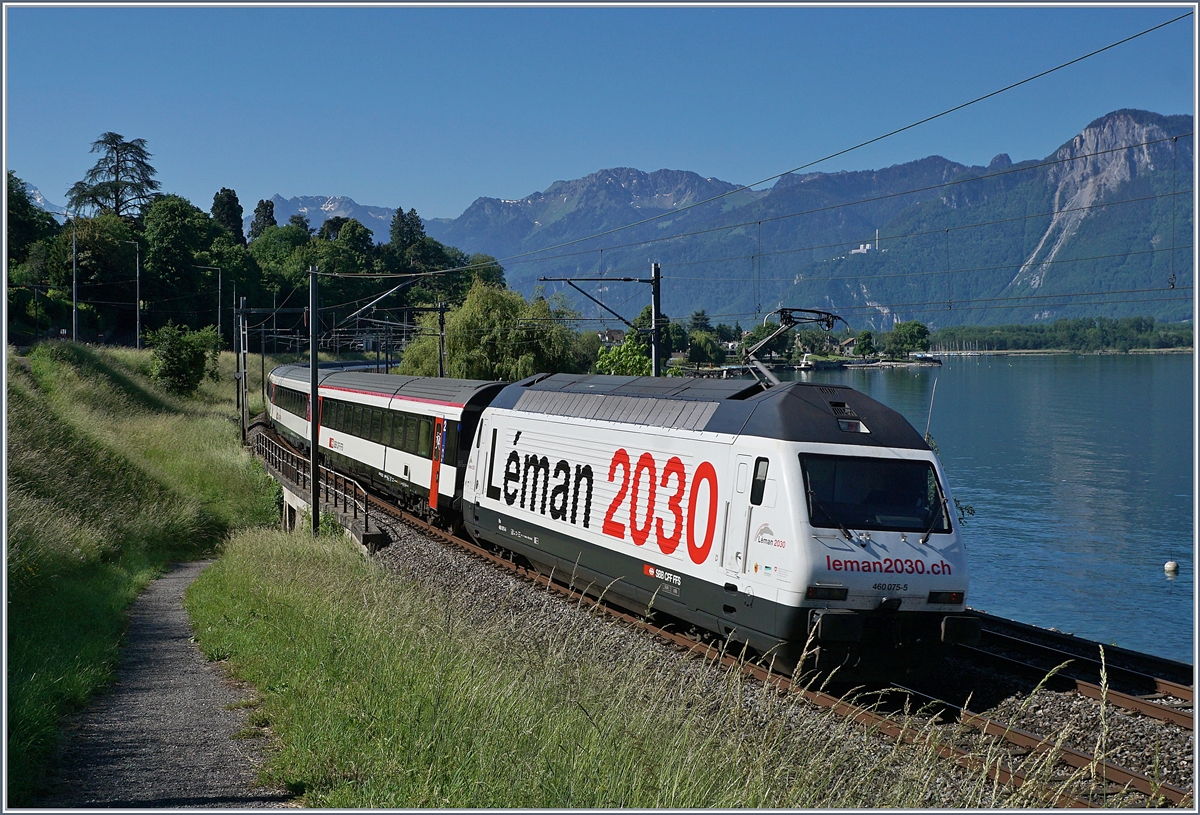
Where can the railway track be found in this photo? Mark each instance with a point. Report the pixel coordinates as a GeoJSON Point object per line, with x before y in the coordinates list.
{"type": "Point", "coordinates": [1088, 781]}
{"type": "Point", "coordinates": [1142, 693]}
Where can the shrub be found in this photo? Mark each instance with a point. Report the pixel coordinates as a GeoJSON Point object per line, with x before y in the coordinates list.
{"type": "Point", "coordinates": [182, 356]}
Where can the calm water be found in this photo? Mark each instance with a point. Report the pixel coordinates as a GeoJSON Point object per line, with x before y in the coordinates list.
{"type": "Point", "coordinates": [1080, 472]}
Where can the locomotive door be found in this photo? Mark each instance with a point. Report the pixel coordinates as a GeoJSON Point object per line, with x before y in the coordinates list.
{"type": "Point", "coordinates": [741, 515]}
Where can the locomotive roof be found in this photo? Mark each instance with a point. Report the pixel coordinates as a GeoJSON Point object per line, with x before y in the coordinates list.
{"type": "Point", "coordinates": [796, 411]}
{"type": "Point", "coordinates": [448, 391]}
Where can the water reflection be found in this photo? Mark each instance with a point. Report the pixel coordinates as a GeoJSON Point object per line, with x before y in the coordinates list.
{"type": "Point", "coordinates": [1080, 470]}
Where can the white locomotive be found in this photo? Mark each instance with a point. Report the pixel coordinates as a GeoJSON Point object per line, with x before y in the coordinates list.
{"type": "Point", "coordinates": [799, 516]}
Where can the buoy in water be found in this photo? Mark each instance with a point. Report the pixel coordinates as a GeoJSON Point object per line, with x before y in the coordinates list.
{"type": "Point", "coordinates": [1171, 567]}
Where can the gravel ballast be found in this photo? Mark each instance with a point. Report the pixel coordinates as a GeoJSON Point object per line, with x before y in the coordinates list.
{"type": "Point", "coordinates": [163, 735]}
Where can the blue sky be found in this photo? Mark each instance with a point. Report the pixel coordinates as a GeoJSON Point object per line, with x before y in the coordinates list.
{"type": "Point", "coordinates": [433, 107]}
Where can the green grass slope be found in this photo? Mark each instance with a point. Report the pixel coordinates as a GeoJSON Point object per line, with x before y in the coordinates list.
{"type": "Point", "coordinates": [109, 480]}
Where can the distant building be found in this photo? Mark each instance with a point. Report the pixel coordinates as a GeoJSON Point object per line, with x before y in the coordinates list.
{"type": "Point", "coordinates": [611, 336]}
{"type": "Point", "coordinates": [863, 248]}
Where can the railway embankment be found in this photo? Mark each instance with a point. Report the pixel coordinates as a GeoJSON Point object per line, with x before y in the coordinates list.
{"type": "Point", "coordinates": [422, 678]}
{"type": "Point", "coordinates": [110, 479]}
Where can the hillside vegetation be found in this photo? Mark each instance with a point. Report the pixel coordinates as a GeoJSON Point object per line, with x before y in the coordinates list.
{"type": "Point", "coordinates": [109, 480]}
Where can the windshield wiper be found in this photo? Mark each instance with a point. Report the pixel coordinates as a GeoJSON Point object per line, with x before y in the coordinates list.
{"type": "Point", "coordinates": [813, 502]}
{"type": "Point", "coordinates": [929, 531]}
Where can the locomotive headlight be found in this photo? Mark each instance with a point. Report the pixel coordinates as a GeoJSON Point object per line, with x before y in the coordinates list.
{"type": "Point", "coordinates": [827, 593]}
{"type": "Point", "coordinates": [953, 597]}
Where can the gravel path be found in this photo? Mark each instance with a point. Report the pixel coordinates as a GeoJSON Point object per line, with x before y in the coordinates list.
{"type": "Point", "coordinates": [162, 735]}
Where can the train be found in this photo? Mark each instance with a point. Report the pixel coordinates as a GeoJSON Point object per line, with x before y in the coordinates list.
{"type": "Point", "coordinates": [806, 523]}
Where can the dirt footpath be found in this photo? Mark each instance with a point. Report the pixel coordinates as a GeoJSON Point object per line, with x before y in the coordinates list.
{"type": "Point", "coordinates": [162, 735]}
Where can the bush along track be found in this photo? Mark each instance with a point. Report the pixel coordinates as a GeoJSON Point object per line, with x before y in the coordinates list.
{"type": "Point", "coordinates": [110, 479]}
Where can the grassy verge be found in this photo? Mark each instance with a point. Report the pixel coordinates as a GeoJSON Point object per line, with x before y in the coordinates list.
{"type": "Point", "coordinates": [109, 480]}
{"type": "Point", "coordinates": [382, 694]}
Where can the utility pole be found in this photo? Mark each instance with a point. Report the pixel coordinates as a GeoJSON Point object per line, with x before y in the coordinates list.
{"type": "Point", "coordinates": [237, 361]}
{"type": "Point", "coordinates": [244, 339]}
{"type": "Point", "coordinates": [74, 283]}
{"type": "Point", "coordinates": [655, 312]}
{"type": "Point", "coordinates": [137, 266]}
{"type": "Point", "coordinates": [441, 339]}
{"type": "Point", "coordinates": [313, 404]}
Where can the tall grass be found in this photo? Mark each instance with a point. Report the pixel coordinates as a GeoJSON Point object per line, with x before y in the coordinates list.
{"type": "Point", "coordinates": [109, 480]}
{"type": "Point", "coordinates": [382, 693]}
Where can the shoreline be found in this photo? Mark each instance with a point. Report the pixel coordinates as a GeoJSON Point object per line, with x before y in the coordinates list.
{"type": "Point", "coordinates": [1047, 351]}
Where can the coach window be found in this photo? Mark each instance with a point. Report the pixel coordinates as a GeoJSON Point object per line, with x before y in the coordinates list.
{"type": "Point", "coordinates": [410, 433]}
{"type": "Point", "coordinates": [385, 437]}
{"type": "Point", "coordinates": [451, 454]}
{"type": "Point", "coordinates": [760, 481]}
{"type": "Point", "coordinates": [376, 426]}
{"type": "Point", "coordinates": [356, 422]}
{"type": "Point", "coordinates": [425, 439]}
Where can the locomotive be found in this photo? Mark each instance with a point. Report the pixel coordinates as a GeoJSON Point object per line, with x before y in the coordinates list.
{"type": "Point", "coordinates": [806, 522]}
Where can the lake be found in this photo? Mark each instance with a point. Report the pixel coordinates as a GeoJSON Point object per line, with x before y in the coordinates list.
{"type": "Point", "coordinates": [1080, 472]}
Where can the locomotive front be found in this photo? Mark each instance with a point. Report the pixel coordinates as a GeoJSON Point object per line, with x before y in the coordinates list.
{"type": "Point", "coordinates": [882, 562]}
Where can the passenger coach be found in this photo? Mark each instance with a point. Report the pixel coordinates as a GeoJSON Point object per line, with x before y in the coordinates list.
{"type": "Point", "coordinates": [399, 434]}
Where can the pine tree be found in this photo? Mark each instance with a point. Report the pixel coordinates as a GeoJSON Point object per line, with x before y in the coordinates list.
{"type": "Point", "coordinates": [227, 211]}
{"type": "Point", "coordinates": [406, 229]}
{"type": "Point", "coordinates": [264, 216]}
{"type": "Point", "coordinates": [301, 220]}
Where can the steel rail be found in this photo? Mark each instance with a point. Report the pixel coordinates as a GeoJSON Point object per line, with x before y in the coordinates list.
{"type": "Point", "coordinates": [1136, 704]}
{"type": "Point", "coordinates": [1167, 669]}
{"type": "Point", "coordinates": [1134, 677]}
{"type": "Point", "coordinates": [1110, 772]}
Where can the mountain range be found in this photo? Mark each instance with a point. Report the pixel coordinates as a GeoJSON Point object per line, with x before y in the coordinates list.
{"type": "Point", "coordinates": [1101, 227]}
{"type": "Point", "coordinates": [1086, 231]}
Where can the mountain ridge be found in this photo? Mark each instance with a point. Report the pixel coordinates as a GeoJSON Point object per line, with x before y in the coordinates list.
{"type": "Point", "coordinates": [1100, 214]}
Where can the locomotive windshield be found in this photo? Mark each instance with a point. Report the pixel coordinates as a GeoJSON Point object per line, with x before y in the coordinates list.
{"type": "Point", "coordinates": [846, 492]}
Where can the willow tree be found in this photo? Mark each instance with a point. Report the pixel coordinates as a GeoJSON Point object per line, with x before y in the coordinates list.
{"type": "Point", "coordinates": [496, 334]}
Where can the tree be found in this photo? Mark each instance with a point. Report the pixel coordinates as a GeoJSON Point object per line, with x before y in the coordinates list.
{"type": "Point", "coordinates": [406, 229]}
{"type": "Point", "coordinates": [122, 181]}
{"type": "Point", "coordinates": [104, 258]}
{"type": "Point", "coordinates": [332, 227]}
{"type": "Point", "coordinates": [176, 233]}
{"type": "Point", "coordinates": [627, 359]}
{"type": "Point", "coordinates": [27, 223]}
{"type": "Point", "coordinates": [227, 211]}
{"type": "Point", "coordinates": [672, 337]}
{"type": "Point", "coordinates": [181, 357]}
{"type": "Point", "coordinates": [301, 220]}
{"type": "Point", "coordinates": [704, 348]}
{"type": "Point", "coordinates": [726, 333]}
{"type": "Point", "coordinates": [699, 322]}
{"type": "Point", "coordinates": [264, 216]}
{"type": "Point", "coordinates": [779, 345]}
{"type": "Point", "coordinates": [907, 337]}
{"type": "Point", "coordinates": [497, 335]}
{"type": "Point", "coordinates": [865, 345]}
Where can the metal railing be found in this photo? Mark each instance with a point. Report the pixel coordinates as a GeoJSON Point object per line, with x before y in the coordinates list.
{"type": "Point", "coordinates": [339, 490]}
